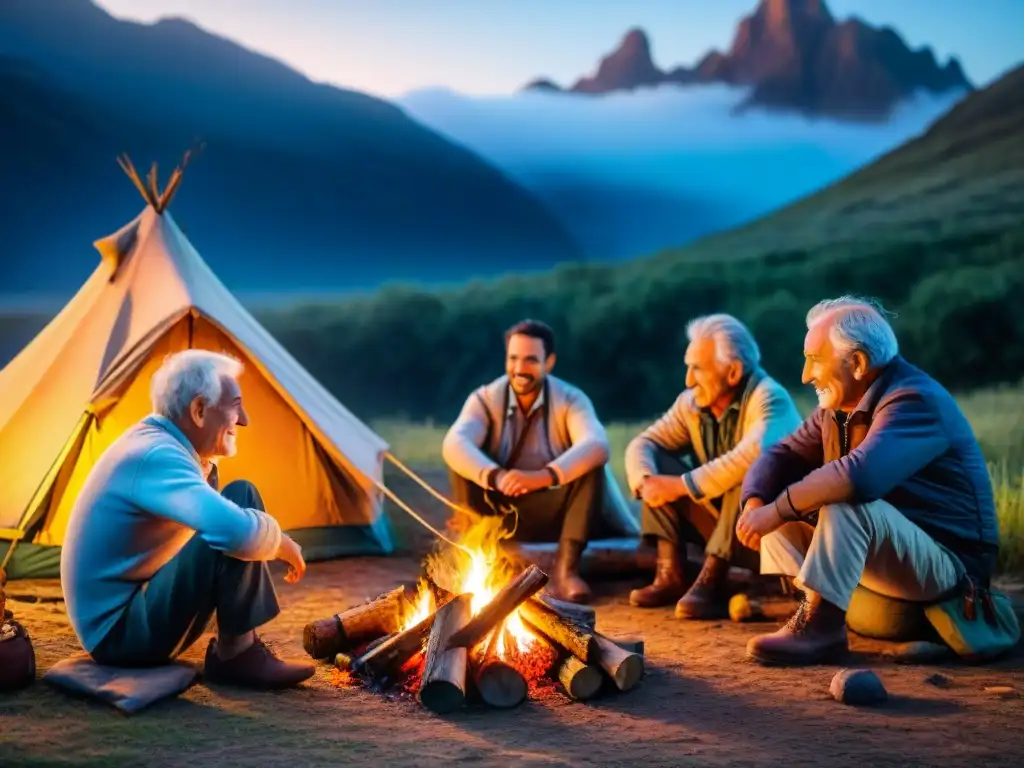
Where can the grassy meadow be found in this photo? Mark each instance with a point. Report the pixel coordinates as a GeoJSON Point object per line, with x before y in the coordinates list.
{"type": "Point", "coordinates": [997, 416]}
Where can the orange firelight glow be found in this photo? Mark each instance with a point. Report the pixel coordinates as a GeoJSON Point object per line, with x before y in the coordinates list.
{"type": "Point", "coordinates": [482, 574]}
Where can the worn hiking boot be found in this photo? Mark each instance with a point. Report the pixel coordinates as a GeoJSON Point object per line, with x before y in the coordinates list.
{"type": "Point", "coordinates": [669, 580]}
{"type": "Point", "coordinates": [255, 667]}
{"type": "Point", "coordinates": [706, 598]}
{"type": "Point", "coordinates": [814, 634]}
{"type": "Point", "coordinates": [567, 583]}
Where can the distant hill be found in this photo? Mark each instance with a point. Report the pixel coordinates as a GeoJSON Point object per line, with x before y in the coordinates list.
{"type": "Point", "coordinates": [794, 55]}
{"type": "Point", "coordinates": [935, 229]}
{"type": "Point", "coordinates": [964, 175]}
{"type": "Point", "coordinates": [300, 186]}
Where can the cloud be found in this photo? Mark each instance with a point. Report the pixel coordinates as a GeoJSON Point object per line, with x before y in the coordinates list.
{"type": "Point", "coordinates": [595, 160]}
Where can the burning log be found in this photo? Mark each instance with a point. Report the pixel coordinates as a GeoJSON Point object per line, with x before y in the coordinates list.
{"type": "Point", "coordinates": [443, 688]}
{"type": "Point", "coordinates": [582, 681]}
{"type": "Point", "coordinates": [498, 682]}
{"type": "Point", "coordinates": [583, 615]}
{"type": "Point", "coordinates": [511, 596]}
{"type": "Point", "coordinates": [577, 640]}
{"type": "Point", "coordinates": [387, 658]}
{"type": "Point", "coordinates": [348, 630]}
{"type": "Point", "coordinates": [623, 667]}
{"type": "Point", "coordinates": [345, 660]}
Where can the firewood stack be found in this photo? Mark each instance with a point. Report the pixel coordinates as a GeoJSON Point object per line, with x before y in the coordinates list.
{"type": "Point", "coordinates": [450, 657]}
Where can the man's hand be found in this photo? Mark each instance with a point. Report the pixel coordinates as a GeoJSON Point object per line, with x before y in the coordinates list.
{"type": "Point", "coordinates": [758, 520]}
{"type": "Point", "coordinates": [516, 482]}
{"type": "Point", "coordinates": [659, 490]}
{"type": "Point", "coordinates": [291, 553]}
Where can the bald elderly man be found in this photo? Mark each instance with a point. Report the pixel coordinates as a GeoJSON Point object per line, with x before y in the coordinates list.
{"type": "Point", "coordinates": [883, 485]}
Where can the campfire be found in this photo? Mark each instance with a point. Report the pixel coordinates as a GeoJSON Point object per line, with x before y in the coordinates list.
{"type": "Point", "coordinates": [476, 626]}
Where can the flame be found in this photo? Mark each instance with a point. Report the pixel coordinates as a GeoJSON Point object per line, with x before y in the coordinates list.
{"type": "Point", "coordinates": [481, 571]}
{"type": "Point", "coordinates": [424, 605]}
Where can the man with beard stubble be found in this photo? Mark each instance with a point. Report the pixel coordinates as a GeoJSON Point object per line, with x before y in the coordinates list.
{"type": "Point", "coordinates": [531, 442]}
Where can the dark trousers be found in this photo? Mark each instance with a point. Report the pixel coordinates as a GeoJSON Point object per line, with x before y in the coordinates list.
{"type": "Point", "coordinates": [570, 512]}
{"type": "Point", "coordinates": [687, 521]}
{"type": "Point", "coordinates": [170, 612]}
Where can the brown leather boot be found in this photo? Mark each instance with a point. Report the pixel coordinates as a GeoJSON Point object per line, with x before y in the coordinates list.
{"type": "Point", "coordinates": [815, 633]}
{"type": "Point", "coordinates": [669, 580]}
{"type": "Point", "coordinates": [255, 667]}
{"type": "Point", "coordinates": [706, 597]}
{"type": "Point", "coordinates": [567, 582]}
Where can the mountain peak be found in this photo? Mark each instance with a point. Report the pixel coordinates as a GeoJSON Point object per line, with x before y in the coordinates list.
{"type": "Point", "coordinates": [628, 66]}
{"type": "Point", "coordinates": [794, 55]}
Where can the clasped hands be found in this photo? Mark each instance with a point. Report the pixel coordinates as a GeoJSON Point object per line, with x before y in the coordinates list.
{"type": "Point", "coordinates": [518, 482]}
{"type": "Point", "coordinates": [757, 521]}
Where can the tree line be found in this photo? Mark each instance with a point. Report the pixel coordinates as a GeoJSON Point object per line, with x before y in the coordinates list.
{"type": "Point", "coordinates": [416, 353]}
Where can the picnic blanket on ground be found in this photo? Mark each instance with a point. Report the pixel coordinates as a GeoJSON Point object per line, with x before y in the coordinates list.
{"type": "Point", "coordinates": [129, 690]}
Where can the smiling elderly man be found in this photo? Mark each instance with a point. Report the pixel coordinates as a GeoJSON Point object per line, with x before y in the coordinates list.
{"type": "Point", "coordinates": [729, 413]}
{"type": "Point", "coordinates": [153, 551]}
{"type": "Point", "coordinates": [883, 485]}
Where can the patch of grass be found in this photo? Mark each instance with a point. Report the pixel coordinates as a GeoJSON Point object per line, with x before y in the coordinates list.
{"type": "Point", "coordinates": [997, 416]}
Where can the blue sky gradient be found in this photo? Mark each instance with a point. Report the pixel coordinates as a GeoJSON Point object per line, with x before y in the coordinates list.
{"type": "Point", "coordinates": [391, 47]}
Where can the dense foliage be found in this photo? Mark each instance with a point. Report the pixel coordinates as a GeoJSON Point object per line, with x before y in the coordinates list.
{"type": "Point", "coordinates": [621, 330]}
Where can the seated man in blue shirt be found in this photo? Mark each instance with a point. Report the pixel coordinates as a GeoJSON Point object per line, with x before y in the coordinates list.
{"type": "Point", "coordinates": [153, 551]}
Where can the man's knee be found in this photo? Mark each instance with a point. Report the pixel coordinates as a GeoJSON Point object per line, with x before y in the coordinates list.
{"type": "Point", "coordinates": [845, 515]}
{"type": "Point", "coordinates": [244, 494]}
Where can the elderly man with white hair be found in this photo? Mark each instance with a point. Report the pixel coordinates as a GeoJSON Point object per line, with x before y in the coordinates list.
{"type": "Point", "coordinates": [883, 485]}
{"type": "Point", "coordinates": [153, 551]}
{"type": "Point", "coordinates": [729, 413]}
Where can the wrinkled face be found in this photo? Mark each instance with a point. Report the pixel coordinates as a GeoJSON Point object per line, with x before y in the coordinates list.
{"type": "Point", "coordinates": [833, 375]}
{"type": "Point", "coordinates": [215, 424]}
{"type": "Point", "coordinates": [526, 363]}
{"type": "Point", "coordinates": [711, 380]}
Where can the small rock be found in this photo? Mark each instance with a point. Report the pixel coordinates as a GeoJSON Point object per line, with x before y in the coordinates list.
{"type": "Point", "coordinates": [858, 687]}
{"type": "Point", "coordinates": [940, 681]}
{"type": "Point", "coordinates": [1003, 691]}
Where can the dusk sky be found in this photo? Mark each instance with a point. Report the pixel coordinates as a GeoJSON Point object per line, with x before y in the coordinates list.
{"type": "Point", "coordinates": [390, 47]}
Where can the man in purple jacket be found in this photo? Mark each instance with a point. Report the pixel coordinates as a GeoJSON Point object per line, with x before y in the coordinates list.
{"type": "Point", "coordinates": [883, 485]}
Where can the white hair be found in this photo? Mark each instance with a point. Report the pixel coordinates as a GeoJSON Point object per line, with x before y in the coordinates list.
{"type": "Point", "coordinates": [857, 324]}
{"type": "Point", "coordinates": [733, 341]}
{"type": "Point", "coordinates": [187, 375]}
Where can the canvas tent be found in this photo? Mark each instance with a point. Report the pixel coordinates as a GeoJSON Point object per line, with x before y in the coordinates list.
{"type": "Point", "coordinates": [85, 378]}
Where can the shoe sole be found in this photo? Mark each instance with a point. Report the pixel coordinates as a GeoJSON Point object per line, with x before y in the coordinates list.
{"type": "Point", "coordinates": [828, 656]}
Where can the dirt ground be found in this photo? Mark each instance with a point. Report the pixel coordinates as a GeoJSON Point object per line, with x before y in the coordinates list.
{"type": "Point", "coordinates": [700, 702]}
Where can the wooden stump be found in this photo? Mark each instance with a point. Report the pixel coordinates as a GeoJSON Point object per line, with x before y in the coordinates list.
{"type": "Point", "coordinates": [581, 681]}
{"type": "Point", "coordinates": [498, 682]}
{"type": "Point", "coordinates": [443, 687]}
{"type": "Point", "coordinates": [623, 667]}
{"type": "Point", "coordinates": [348, 630]}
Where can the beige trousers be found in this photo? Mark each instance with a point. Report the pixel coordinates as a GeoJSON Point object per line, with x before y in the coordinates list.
{"type": "Point", "coordinates": [870, 544]}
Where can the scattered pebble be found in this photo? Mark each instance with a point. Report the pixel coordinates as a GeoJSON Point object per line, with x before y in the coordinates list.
{"type": "Point", "coordinates": [940, 681]}
{"type": "Point", "coordinates": [858, 687]}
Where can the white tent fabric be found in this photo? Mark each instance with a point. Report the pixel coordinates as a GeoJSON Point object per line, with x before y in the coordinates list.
{"type": "Point", "coordinates": [84, 378]}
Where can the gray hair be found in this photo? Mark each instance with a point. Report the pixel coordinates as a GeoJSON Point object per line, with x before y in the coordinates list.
{"type": "Point", "coordinates": [188, 374]}
{"type": "Point", "coordinates": [857, 324]}
{"type": "Point", "coordinates": [733, 341]}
